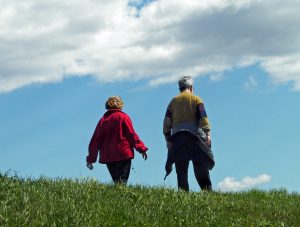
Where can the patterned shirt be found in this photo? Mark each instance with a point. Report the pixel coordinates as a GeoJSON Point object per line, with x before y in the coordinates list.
{"type": "Point", "coordinates": [186, 112]}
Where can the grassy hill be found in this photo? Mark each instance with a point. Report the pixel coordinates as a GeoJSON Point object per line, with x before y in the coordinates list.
{"type": "Point", "coordinates": [65, 202]}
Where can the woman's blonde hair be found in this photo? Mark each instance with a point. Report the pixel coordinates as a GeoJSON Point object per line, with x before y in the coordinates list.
{"type": "Point", "coordinates": [114, 102]}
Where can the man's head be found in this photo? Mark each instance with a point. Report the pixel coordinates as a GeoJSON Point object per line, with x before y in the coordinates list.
{"type": "Point", "coordinates": [185, 82]}
{"type": "Point", "coordinates": [114, 102]}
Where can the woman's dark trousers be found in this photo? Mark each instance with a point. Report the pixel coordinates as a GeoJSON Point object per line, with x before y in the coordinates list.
{"type": "Point", "coordinates": [119, 171]}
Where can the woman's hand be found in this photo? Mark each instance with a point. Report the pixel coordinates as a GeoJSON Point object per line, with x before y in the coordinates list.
{"type": "Point", "coordinates": [144, 155]}
{"type": "Point", "coordinates": [90, 165]}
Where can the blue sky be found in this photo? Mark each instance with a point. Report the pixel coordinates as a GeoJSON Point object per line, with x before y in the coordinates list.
{"type": "Point", "coordinates": [246, 69]}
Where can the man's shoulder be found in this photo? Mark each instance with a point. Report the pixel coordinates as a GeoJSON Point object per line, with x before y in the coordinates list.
{"type": "Point", "coordinates": [198, 98]}
{"type": "Point", "coordinates": [190, 96]}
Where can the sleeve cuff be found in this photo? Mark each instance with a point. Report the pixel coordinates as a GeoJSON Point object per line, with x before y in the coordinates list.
{"type": "Point", "coordinates": [168, 136]}
{"type": "Point", "coordinates": [206, 130]}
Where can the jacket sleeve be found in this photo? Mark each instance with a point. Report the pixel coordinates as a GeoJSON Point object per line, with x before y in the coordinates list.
{"type": "Point", "coordinates": [132, 137]}
{"type": "Point", "coordinates": [167, 125]}
{"type": "Point", "coordinates": [202, 116]}
{"type": "Point", "coordinates": [94, 145]}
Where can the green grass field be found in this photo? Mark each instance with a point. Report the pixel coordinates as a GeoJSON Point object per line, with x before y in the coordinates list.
{"type": "Point", "coordinates": [66, 202]}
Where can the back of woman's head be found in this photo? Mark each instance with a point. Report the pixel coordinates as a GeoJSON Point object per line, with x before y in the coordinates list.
{"type": "Point", "coordinates": [114, 102]}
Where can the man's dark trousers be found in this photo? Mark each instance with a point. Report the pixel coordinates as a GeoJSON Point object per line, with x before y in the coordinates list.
{"type": "Point", "coordinates": [186, 149]}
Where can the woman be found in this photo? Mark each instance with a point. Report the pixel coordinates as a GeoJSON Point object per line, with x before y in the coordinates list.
{"type": "Point", "coordinates": [115, 138]}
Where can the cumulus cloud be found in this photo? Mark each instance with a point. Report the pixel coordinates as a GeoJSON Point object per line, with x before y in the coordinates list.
{"type": "Point", "coordinates": [47, 41]}
{"type": "Point", "coordinates": [230, 184]}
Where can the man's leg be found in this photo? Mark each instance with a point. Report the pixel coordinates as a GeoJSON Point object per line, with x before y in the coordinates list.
{"type": "Point", "coordinates": [182, 174]}
{"type": "Point", "coordinates": [202, 176]}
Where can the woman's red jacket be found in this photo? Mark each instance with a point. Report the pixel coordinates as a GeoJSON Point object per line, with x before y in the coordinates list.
{"type": "Point", "coordinates": [115, 138]}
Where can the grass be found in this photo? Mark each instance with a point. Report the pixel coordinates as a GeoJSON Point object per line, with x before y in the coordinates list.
{"type": "Point", "coordinates": [66, 202]}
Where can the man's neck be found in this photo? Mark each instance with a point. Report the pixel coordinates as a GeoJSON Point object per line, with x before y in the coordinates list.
{"type": "Point", "coordinates": [188, 90]}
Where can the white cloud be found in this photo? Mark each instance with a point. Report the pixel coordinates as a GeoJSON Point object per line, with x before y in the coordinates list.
{"type": "Point", "coordinates": [217, 77]}
{"type": "Point", "coordinates": [284, 69]}
{"type": "Point", "coordinates": [251, 83]}
{"type": "Point", "coordinates": [46, 41]}
{"type": "Point", "coordinates": [230, 184]}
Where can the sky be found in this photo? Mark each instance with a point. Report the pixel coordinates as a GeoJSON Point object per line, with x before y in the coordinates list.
{"type": "Point", "coordinates": [61, 60]}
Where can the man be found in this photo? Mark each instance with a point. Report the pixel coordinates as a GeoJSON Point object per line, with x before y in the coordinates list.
{"type": "Point", "coordinates": [187, 132]}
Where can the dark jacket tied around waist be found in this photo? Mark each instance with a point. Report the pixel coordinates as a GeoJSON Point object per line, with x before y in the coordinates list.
{"type": "Point", "coordinates": [187, 146]}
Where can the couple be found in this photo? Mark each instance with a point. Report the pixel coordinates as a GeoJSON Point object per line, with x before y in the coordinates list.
{"type": "Point", "coordinates": [186, 129]}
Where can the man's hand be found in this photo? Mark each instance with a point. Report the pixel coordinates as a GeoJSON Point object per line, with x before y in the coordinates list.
{"type": "Point", "coordinates": [144, 155]}
{"type": "Point", "coordinates": [90, 165]}
{"type": "Point", "coordinates": [208, 139]}
{"type": "Point", "coordinates": [169, 145]}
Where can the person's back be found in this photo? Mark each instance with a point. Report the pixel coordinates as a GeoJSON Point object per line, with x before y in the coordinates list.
{"type": "Point", "coordinates": [183, 107]}
{"type": "Point", "coordinates": [187, 113]}
{"type": "Point", "coordinates": [114, 137]}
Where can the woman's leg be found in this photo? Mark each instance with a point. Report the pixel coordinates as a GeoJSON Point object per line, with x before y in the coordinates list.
{"type": "Point", "coordinates": [119, 171]}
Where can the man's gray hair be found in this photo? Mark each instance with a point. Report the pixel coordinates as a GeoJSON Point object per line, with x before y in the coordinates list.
{"type": "Point", "coordinates": [185, 82]}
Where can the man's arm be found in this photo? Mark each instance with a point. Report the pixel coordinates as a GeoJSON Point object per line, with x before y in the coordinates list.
{"type": "Point", "coordinates": [167, 125]}
{"type": "Point", "coordinates": [203, 121]}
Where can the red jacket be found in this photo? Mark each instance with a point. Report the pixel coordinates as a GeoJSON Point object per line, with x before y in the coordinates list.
{"type": "Point", "coordinates": [115, 137]}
